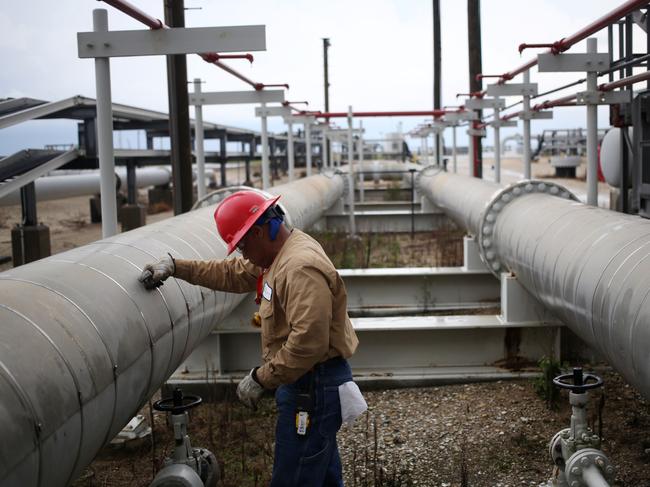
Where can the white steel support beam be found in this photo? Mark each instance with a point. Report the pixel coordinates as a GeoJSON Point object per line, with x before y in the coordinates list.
{"type": "Point", "coordinates": [237, 97]}
{"type": "Point", "coordinates": [163, 42]}
{"type": "Point", "coordinates": [453, 150]}
{"type": "Point", "coordinates": [497, 148]}
{"type": "Point", "coordinates": [308, 149]}
{"type": "Point", "coordinates": [105, 133]}
{"type": "Point", "coordinates": [425, 149]}
{"type": "Point", "coordinates": [362, 177]}
{"type": "Point", "coordinates": [351, 190]}
{"type": "Point", "coordinates": [326, 162]}
{"type": "Point", "coordinates": [592, 131]}
{"type": "Point", "coordinates": [198, 142]}
{"type": "Point", "coordinates": [266, 170]}
{"type": "Point", "coordinates": [526, 127]}
{"type": "Point", "coordinates": [290, 154]}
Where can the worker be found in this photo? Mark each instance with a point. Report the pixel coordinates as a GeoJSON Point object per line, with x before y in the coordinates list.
{"type": "Point", "coordinates": [306, 333]}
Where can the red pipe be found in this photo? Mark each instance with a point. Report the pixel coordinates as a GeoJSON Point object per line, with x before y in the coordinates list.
{"type": "Point", "coordinates": [625, 81]}
{"type": "Point", "coordinates": [434, 113]}
{"type": "Point", "coordinates": [137, 14]}
{"type": "Point", "coordinates": [621, 11]}
{"type": "Point", "coordinates": [565, 43]}
{"type": "Point", "coordinates": [210, 57]}
{"type": "Point", "coordinates": [565, 101]}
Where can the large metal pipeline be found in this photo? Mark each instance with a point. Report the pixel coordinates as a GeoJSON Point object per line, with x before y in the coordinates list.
{"type": "Point", "coordinates": [589, 266]}
{"type": "Point", "coordinates": [83, 345]}
{"type": "Point", "coordinates": [87, 183]}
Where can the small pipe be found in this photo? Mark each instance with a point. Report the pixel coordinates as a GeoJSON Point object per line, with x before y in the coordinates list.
{"type": "Point", "coordinates": [630, 80]}
{"type": "Point", "coordinates": [593, 478]}
{"type": "Point", "coordinates": [211, 57]}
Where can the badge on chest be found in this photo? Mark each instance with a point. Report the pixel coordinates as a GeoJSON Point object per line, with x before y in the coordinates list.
{"type": "Point", "coordinates": [267, 292]}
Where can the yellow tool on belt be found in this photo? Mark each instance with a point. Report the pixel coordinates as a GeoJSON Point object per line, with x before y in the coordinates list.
{"type": "Point", "coordinates": [256, 320]}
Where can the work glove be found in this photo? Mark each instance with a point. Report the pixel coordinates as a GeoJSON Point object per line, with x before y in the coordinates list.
{"type": "Point", "coordinates": [249, 391]}
{"type": "Point", "coordinates": [154, 275]}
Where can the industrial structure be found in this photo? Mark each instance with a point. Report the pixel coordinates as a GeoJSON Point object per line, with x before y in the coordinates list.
{"type": "Point", "coordinates": [564, 272]}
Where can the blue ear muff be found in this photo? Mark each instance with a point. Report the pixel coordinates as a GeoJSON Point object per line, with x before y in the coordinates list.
{"type": "Point", "coordinates": [274, 216]}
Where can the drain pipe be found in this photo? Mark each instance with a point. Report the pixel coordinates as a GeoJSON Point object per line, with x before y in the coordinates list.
{"type": "Point", "coordinates": [100, 344]}
{"type": "Point", "coordinates": [588, 266]}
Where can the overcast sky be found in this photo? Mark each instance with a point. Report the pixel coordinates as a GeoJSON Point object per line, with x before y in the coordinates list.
{"type": "Point", "coordinates": [380, 56]}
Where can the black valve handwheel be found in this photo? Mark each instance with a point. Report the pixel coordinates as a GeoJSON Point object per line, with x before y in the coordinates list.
{"type": "Point", "coordinates": [178, 403]}
{"type": "Point", "coordinates": [580, 382]}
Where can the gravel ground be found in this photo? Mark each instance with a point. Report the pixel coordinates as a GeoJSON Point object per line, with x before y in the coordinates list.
{"type": "Point", "coordinates": [483, 435]}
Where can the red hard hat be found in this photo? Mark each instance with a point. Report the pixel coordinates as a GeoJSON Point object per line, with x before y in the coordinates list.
{"type": "Point", "coordinates": [237, 213]}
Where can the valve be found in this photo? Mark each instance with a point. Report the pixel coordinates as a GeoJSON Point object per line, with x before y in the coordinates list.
{"type": "Point", "coordinates": [580, 381]}
{"type": "Point", "coordinates": [178, 403]}
{"type": "Point", "coordinates": [188, 466]}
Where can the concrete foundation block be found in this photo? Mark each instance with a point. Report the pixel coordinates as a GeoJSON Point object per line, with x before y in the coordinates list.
{"type": "Point", "coordinates": [30, 243]}
{"type": "Point", "coordinates": [160, 197]}
{"type": "Point", "coordinates": [132, 216]}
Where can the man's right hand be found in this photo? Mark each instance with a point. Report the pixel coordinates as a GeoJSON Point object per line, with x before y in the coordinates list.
{"type": "Point", "coordinates": [154, 275]}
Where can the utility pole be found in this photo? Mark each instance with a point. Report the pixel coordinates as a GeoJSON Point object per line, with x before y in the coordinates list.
{"type": "Point", "coordinates": [474, 45]}
{"type": "Point", "coordinates": [179, 115]}
{"type": "Point", "coordinates": [326, 45]}
{"type": "Point", "coordinates": [436, 72]}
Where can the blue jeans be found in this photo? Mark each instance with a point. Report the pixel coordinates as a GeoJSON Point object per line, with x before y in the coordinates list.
{"type": "Point", "coordinates": [310, 460]}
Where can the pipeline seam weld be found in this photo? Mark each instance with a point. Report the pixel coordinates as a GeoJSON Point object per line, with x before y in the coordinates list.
{"type": "Point", "coordinates": [611, 279]}
{"type": "Point", "coordinates": [75, 381]}
{"type": "Point", "coordinates": [144, 320]}
{"type": "Point", "coordinates": [171, 320]}
{"type": "Point", "coordinates": [24, 398]}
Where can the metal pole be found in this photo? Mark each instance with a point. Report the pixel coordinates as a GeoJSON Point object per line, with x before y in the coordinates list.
{"type": "Point", "coordinates": [326, 152]}
{"type": "Point", "coordinates": [454, 149]}
{"type": "Point", "coordinates": [425, 150]}
{"type": "Point", "coordinates": [326, 45]}
{"type": "Point", "coordinates": [624, 135]}
{"type": "Point", "coordinates": [265, 150]}
{"type": "Point", "coordinates": [353, 228]}
{"type": "Point", "coordinates": [436, 69]}
{"type": "Point", "coordinates": [179, 115]}
{"type": "Point", "coordinates": [592, 132]}
{"type": "Point", "coordinates": [198, 141]}
{"type": "Point", "coordinates": [470, 156]}
{"type": "Point", "coordinates": [290, 155]}
{"type": "Point", "coordinates": [497, 147]}
{"type": "Point", "coordinates": [475, 84]}
{"type": "Point", "coordinates": [105, 133]}
{"type": "Point", "coordinates": [526, 106]}
{"type": "Point", "coordinates": [362, 178]}
{"type": "Point", "coordinates": [308, 147]}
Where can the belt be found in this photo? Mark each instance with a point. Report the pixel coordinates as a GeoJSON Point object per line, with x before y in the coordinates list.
{"type": "Point", "coordinates": [303, 384]}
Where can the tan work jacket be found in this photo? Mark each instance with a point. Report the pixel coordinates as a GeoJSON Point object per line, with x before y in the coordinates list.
{"type": "Point", "coordinates": [303, 308]}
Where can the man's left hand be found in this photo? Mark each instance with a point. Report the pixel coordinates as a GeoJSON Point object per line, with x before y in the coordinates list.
{"type": "Point", "coordinates": [249, 391]}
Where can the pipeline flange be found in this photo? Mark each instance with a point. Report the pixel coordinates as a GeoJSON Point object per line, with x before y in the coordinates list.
{"type": "Point", "coordinates": [584, 459]}
{"type": "Point", "coordinates": [498, 202]}
{"type": "Point", "coordinates": [555, 447]}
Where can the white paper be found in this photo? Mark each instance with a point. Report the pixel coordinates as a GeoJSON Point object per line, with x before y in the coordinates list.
{"type": "Point", "coordinates": [353, 404]}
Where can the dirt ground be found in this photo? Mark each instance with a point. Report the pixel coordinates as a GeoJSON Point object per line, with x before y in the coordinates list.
{"type": "Point", "coordinates": [481, 435]}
